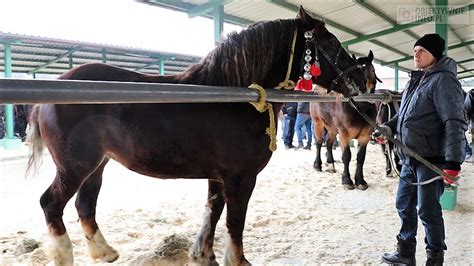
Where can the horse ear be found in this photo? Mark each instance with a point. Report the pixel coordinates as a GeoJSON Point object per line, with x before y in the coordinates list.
{"type": "Point", "coordinates": [354, 57]}
{"type": "Point", "coordinates": [307, 20]}
{"type": "Point", "coordinates": [371, 56]}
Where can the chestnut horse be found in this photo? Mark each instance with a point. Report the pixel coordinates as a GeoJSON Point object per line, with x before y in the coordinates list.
{"type": "Point", "coordinates": [223, 142]}
{"type": "Point", "coordinates": [340, 118]}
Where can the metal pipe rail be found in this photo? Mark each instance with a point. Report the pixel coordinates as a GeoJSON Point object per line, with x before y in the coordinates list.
{"type": "Point", "coordinates": [24, 91]}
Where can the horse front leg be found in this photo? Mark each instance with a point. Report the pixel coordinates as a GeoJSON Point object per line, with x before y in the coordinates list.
{"type": "Point", "coordinates": [330, 157]}
{"type": "Point", "coordinates": [345, 138]}
{"type": "Point", "coordinates": [346, 159]}
{"type": "Point", "coordinates": [86, 203]}
{"type": "Point", "coordinates": [201, 251]}
{"type": "Point", "coordinates": [53, 201]}
{"type": "Point", "coordinates": [318, 133]}
{"type": "Point", "coordinates": [359, 176]}
{"type": "Point", "coordinates": [237, 194]}
{"type": "Point", "coordinates": [388, 164]}
{"type": "Point", "coordinates": [318, 164]}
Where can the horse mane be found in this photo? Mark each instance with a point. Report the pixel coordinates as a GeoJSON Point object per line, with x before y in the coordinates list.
{"type": "Point", "coordinates": [245, 57]}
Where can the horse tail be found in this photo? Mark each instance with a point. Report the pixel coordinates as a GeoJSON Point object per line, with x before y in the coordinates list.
{"type": "Point", "coordinates": [36, 142]}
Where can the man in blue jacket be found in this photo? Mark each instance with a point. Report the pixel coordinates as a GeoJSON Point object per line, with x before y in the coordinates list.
{"type": "Point", "coordinates": [431, 122]}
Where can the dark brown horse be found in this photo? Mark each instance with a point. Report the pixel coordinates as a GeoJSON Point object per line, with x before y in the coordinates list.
{"type": "Point", "coordinates": [223, 142]}
{"type": "Point", "coordinates": [340, 118]}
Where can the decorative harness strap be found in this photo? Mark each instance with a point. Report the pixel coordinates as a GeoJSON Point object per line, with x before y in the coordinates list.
{"type": "Point", "coordinates": [262, 105]}
{"type": "Point", "coordinates": [288, 84]}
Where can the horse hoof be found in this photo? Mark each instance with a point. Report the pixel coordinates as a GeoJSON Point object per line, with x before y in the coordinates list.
{"type": "Point", "coordinates": [196, 262]}
{"type": "Point", "coordinates": [362, 186]}
{"type": "Point", "coordinates": [349, 186]}
{"type": "Point", "coordinates": [330, 168]}
{"type": "Point", "coordinates": [318, 169]}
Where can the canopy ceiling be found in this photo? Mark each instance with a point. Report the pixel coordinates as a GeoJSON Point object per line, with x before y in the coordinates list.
{"type": "Point", "coordinates": [388, 28]}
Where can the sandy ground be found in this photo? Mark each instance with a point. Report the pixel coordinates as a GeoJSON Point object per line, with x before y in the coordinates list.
{"type": "Point", "coordinates": [296, 216]}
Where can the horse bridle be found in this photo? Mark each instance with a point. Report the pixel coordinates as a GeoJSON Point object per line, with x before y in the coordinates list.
{"type": "Point", "coordinates": [350, 84]}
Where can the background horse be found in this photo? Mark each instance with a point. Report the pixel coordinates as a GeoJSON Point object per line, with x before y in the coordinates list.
{"type": "Point", "coordinates": [341, 118]}
{"type": "Point", "coordinates": [223, 142]}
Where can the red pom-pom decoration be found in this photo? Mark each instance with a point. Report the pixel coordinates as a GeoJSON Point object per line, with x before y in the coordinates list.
{"type": "Point", "coordinates": [304, 85]}
{"type": "Point", "coordinates": [315, 70]}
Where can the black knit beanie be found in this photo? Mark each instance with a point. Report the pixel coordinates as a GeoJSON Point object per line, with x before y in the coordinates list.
{"type": "Point", "coordinates": [433, 43]}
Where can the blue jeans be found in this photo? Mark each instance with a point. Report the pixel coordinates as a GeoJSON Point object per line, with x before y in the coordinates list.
{"type": "Point", "coordinates": [467, 150]}
{"type": "Point", "coordinates": [426, 198]}
{"type": "Point", "coordinates": [288, 129]}
{"type": "Point", "coordinates": [303, 120]}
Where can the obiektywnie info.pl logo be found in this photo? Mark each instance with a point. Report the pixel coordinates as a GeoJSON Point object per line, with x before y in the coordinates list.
{"type": "Point", "coordinates": [441, 14]}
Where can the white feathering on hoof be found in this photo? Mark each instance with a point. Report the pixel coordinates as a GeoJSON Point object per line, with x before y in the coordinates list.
{"type": "Point", "coordinates": [100, 250]}
{"type": "Point", "coordinates": [61, 250]}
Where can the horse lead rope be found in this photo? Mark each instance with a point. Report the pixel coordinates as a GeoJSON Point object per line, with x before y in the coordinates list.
{"type": "Point", "coordinates": [409, 152]}
{"type": "Point", "coordinates": [263, 106]}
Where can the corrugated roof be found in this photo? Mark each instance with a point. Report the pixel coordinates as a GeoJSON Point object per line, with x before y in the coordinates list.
{"type": "Point", "coordinates": [52, 56]}
{"type": "Point", "coordinates": [353, 20]}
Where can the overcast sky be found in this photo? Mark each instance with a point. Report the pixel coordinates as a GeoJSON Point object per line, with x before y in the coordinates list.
{"type": "Point", "coordinates": [116, 22]}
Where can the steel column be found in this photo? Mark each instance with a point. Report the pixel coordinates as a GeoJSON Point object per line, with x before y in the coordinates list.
{"type": "Point", "coordinates": [104, 56]}
{"type": "Point", "coordinates": [396, 77]}
{"type": "Point", "coordinates": [70, 61]}
{"type": "Point", "coordinates": [218, 14]}
{"type": "Point", "coordinates": [9, 142]}
{"type": "Point", "coordinates": [162, 65]}
{"type": "Point", "coordinates": [441, 7]}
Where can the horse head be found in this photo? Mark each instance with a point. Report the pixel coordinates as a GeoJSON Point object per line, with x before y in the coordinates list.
{"type": "Point", "coordinates": [369, 71]}
{"type": "Point", "coordinates": [338, 70]}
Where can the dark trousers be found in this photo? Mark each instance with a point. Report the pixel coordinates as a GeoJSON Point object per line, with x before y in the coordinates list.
{"type": "Point", "coordinates": [426, 198]}
{"type": "Point", "coordinates": [288, 129]}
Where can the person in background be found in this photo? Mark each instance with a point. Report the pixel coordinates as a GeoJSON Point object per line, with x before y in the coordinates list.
{"type": "Point", "coordinates": [468, 102]}
{"type": "Point", "coordinates": [21, 120]}
{"type": "Point", "coordinates": [289, 120]}
{"type": "Point", "coordinates": [303, 118]}
{"type": "Point", "coordinates": [2, 123]}
{"type": "Point", "coordinates": [431, 122]}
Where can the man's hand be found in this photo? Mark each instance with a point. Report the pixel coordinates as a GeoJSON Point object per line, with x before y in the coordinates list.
{"type": "Point", "coordinates": [452, 170]}
{"type": "Point", "coordinates": [381, 133]}
{"type": "Point", "coordinates": [385, 130]}
{"type": "Point", "coordinates": [451, 176]}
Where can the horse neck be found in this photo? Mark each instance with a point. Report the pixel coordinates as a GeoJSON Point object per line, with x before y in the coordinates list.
{"type": "Point", "coordinates": [158, 79]}
{"type": "Point", "coordinates": [257, 55]}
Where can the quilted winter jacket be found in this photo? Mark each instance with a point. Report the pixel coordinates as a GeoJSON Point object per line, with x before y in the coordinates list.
{"type": "Point", "coordinates": [431, 116]}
